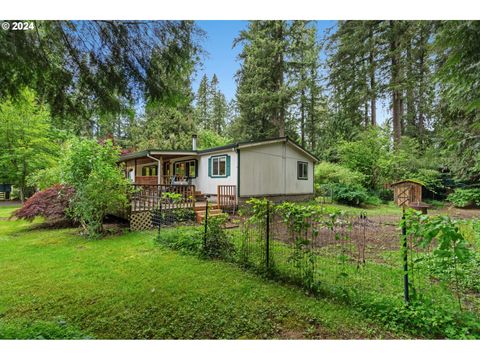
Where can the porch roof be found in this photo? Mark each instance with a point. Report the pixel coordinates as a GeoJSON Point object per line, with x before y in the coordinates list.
{"type": "Point", "coordinates": [156, 152]}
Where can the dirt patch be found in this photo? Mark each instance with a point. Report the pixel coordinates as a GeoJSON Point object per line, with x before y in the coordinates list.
{"type": "Point", "coordinates": [457, 213]}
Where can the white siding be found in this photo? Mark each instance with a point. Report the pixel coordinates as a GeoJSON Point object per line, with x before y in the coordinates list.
{"type": "Point", "coordinates": [271, 169]}
{"type": "Point", "coordinates": [208, 185]}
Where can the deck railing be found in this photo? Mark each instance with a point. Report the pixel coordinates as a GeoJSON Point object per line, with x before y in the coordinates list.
{"type": "Point", "coordinates": [164, 180]}
{"type": "Point", "coordinates": [149, 197]}
{"type": "Point", "coordinates": [227, 197]}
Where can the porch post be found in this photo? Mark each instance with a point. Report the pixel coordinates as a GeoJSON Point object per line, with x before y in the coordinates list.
{"type": "Point", "coordinates": [135, 171]}
{"type": "Point", "coordinates": [159, 171]}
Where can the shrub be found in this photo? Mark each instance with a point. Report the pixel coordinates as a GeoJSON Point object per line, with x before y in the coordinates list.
{"type": "Point", "coordinates": [453, 259]}
{"type": "Point", "coordinates": [45, 178]}
{"type": "Point", "coordinates": [349, 194]}
{"type": "Point", "coordinates": [100, 187]}
{"type": "Point", "coordinates": [367, 155]}
{"type": "Point", "coordinates": [218, 242]}
{"type": "Point", "coordinates": [215, 244]}
{"type": "Point", "coordinates": [186, 239]}
{"type": "Point", "coordinates": [385, 195]}
{"type": "Point", "coordinates": [330, 173]}
{"type": "Point", "coordinates": [373, 199]}
{"type": "Point", "coordinates": [167, 215]}
{"type": "Point", "coordinates": [52, 204]}
{"type": "Point", "coordinates": [465, 197]}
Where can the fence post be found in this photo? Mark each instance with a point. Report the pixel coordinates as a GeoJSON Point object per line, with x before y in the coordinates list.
{"type": "Point", "coordinates": [206, 225]}
{"type": "Point", "coordinates": [405, 259]}
{"type": "Point", "coordinates": [267, 240]}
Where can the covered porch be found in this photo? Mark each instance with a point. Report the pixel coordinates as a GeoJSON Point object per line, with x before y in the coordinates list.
{"type": "Point", "coordinates": [161, 168]}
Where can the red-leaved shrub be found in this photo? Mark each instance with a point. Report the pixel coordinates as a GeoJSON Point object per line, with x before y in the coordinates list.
{"type": "Point", "coordinates": [51, 203]}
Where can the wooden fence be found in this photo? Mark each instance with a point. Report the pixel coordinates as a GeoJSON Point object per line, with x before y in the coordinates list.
{"type": "Point", "coordinates": [148, 197]}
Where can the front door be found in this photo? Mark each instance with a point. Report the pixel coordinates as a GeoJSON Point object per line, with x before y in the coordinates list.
{"type": "Point", "coordinates": [166, 168]}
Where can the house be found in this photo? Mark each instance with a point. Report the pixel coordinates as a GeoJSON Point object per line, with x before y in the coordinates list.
{"type": "Point", "coordinates": [279, 169]}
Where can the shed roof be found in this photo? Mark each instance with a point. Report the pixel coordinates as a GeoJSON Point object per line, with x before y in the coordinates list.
{"type": "Point", "coordinates": [414, 181]}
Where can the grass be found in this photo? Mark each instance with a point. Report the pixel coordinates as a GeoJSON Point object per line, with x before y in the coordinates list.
{"type": "Point", "coordinates": [56, 284]}
{"type": "Point", "coordinates": [375, 287]}
{"type": "Point", "coordinates": [373, 210]}
{"type": "Point", "coordinates": [6, 211]}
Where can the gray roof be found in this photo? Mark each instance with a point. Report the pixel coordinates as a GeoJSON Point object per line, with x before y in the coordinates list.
{"type": "Point", "coordinates": [144, 153]}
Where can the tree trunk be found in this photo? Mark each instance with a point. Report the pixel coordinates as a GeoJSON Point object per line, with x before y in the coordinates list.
{"type": "Point", "coordinates": [411, 113]}
{"type": "Point", "coordinates": [373, 99]}
{"type": "Point", "coordinates": [23, 182]}
{"type": "Point", "coordinates": [311, 133]}
{"type": "Point", "coordinates": [302, 117]}
{"type": "Point", "coordinates": [280, 71]}
{"type": "Point", "coordinates": [394, 85]}
{"type": "Point", "coordinates": [421, 119]}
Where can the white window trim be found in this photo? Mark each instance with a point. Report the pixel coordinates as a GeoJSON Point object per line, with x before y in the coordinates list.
{"type": "Point", "coordinates": [219, 158]}
{"type": "Point", "coordinates": [304, 164]}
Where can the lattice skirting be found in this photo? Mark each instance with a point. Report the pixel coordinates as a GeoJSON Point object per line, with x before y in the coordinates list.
{"type": "Point", "coordinates": [141, 220]}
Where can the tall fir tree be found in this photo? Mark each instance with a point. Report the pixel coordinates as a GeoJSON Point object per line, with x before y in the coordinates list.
{"type": "Point", "coordinates": [218, 107]}
{"type": "Point", "coordinates": [202, 103]}
{"type": "Point", "coordinates": [262, 93]}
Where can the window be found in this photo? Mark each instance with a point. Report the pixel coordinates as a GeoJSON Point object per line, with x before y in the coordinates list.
{"type": "Point", "coordinates": [180, 169]}
{"type": "Point", "coordinates": [150, 170]}
{"type": "Point", "coordinates": [219, 166]}
{"type": "Point", "coordinates": [191, 168]}
{"type": "Point", "coordinates": [186, 168]}
{"type": "Point", "coordinates": [302, 170]}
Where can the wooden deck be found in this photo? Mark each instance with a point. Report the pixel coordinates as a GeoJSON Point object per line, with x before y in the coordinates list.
{"type": "Point", "coordinates": [173, 197]}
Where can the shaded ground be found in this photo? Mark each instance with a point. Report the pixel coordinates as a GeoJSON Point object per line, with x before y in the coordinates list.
{"type": "Point", "coordinates": [9, 203]}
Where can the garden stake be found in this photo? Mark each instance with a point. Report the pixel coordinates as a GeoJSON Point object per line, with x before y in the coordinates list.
{"type": "Point", "coordinates": [268, 236]}
{"type": "Point", "coordinates": [405, 258]}
{"type": "Point", "coordinates": [159, 221]}
{"type": "Point", "coordinates": [206, 225]}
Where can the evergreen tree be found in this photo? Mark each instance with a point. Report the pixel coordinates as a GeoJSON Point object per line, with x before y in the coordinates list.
{"type": "Point", "coordinates": [262, 93]}
{"type": "Point", "coordinates": [459, 105]}
{"type": "Point", "coordinates": [87, 71]}
{"type": "Point", "coordinates": [218, 107]}
{"type": "Point", "coordinates": [202, 103]}
{"type": "Point", "coordinates": [305, 60]}
{"type": "Point", "coordinates": [371, 60]}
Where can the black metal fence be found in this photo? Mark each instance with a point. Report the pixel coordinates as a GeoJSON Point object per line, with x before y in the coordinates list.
{"type": "Point", "coordinates": [345, 255]}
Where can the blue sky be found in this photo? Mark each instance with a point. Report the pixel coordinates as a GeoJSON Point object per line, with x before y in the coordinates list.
{"type": "Point", "coordinates": [222, 58]}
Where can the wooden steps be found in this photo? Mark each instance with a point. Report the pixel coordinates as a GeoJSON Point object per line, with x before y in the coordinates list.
{"type": "Point", "coordinates": [212, 211]}
{"type": "Point", "coordinates": [199, 196]}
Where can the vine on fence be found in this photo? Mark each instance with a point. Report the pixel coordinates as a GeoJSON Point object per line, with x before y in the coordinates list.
{"type": "Point", "coordinates": [451, 254]}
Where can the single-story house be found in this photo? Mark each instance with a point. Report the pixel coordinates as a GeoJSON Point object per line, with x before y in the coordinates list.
{"type": "Point", "coordinates": [278, 168]}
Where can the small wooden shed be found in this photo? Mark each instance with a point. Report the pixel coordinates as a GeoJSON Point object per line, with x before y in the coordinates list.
{"type": "Point", "coordinates": [407, 192]}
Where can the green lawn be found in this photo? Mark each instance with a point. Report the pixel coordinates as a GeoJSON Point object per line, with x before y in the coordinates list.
{"type": "Point", "coordinates": [372, 210]}
{"type": "Point", "coordinates": [56, 284]}
{"type": "Point", "coordinates": [6, 211]}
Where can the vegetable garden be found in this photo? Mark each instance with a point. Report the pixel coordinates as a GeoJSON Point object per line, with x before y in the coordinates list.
{"type": "Point", "coordinates": [359, 260]}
